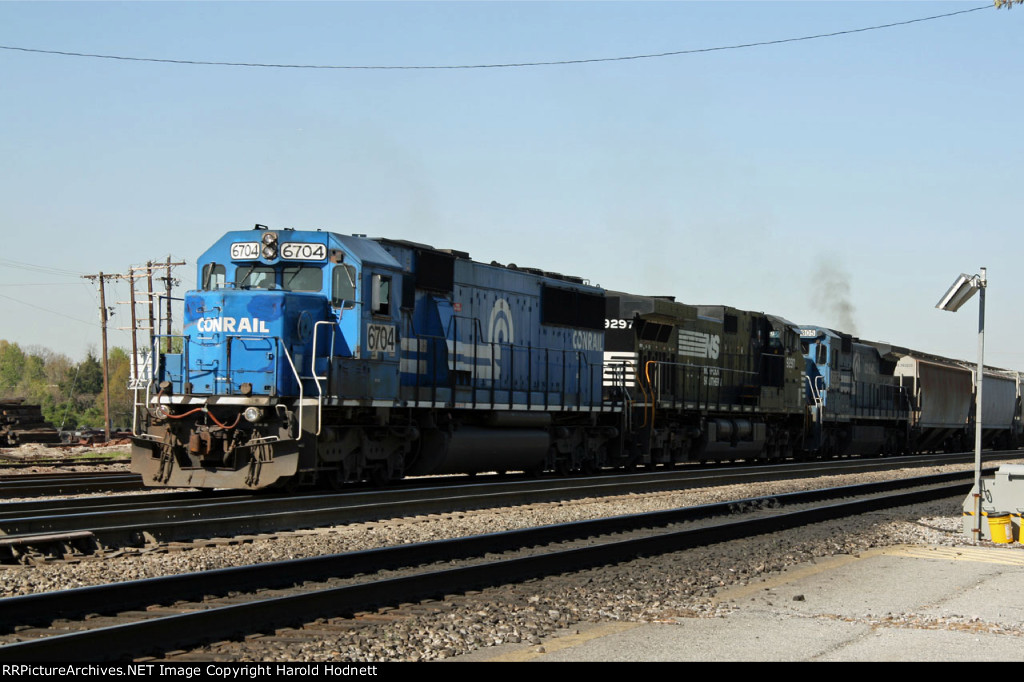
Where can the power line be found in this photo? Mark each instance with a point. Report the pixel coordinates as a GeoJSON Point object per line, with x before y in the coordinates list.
{"type": "Point", "coordinates": [564, 62]}
{"type": "Point", "coordinates": [60, 314]}
{"type": "Point", "coordinates": [7, 263]}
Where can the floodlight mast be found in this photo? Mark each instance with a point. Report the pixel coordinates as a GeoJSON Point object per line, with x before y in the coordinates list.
{"type": "Point", "coordinates": [963, 288]}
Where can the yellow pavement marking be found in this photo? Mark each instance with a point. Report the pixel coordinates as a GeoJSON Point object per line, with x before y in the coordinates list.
{"type": "Point", "coordinates": [1009, 556]}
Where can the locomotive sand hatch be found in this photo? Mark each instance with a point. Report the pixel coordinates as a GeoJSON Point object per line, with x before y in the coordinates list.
{"type": "Point", "coordinates": [310, 356]}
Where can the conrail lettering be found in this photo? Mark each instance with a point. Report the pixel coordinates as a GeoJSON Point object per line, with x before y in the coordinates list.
{"type": "Point", "coordinates": [587, 340]}
{"type": "Point", "coordinates": [253, 325]}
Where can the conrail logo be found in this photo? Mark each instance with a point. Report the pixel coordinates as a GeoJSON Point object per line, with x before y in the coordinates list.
{"type": "Point", "coordinates": [253, 325]}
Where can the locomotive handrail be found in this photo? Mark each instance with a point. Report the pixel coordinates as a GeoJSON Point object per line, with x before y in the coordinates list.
{"type": "Point", "coordinates": [690, 365]}
{"type": "Point", "coordinates": [432, 340]}
{"type": "Point", "coordinates": [590, 381]}
{"type": "Point", "coordinates": [816, 385]}
{"type": "Point", "coordinates": [874, 398]}
{"type": "Point", "coordinates": [279, 346]}
{"type": "Point", "coordinates": [298, 379]}
{"type": "Point", "coordinates": [655, 388]}
{"type": "Point", "coordinates": [819, 388]}
{"type": "Point", "coordinates": [154, 356]}
{"type": "Point", "coordinates": [815, 388]}
{"type": "Point", "coordinates": [588, 371]}
{"type": "Point", "coordinates": [317, 378]}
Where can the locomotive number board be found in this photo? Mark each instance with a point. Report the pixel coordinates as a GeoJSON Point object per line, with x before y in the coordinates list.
{"type": "Point", "coordinates": [289, 251]}
{"type": "Point", "coordinates": [303, 251]}
{"type": "Point", "coordinates": [245, 250]}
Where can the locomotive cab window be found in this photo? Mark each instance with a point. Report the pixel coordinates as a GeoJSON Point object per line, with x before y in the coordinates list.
{"type": "Point", "coordinates": [254, 277]}
{"type": "Point", "coordinates": [302, 278]}
{"type": "Point", "coordinates": [214, 276]}
{"type": "Point", "coordinates": [380, 302]}
{"type": "Point", "coordinates": [343, 287]}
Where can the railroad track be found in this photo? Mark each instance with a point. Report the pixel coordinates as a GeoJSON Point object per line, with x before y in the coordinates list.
{"type": "Point", "coordinates": [128, 620]}
{"type": "Point", "coordinates": [15, 463]}
{"type": "Point", "coordinates": [33, 531]}
{"type": "Point", "coordinates": [67, 483]}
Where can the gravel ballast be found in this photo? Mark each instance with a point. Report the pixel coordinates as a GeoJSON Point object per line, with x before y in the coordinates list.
{"type": "Point", "coordinates": [678, 585]}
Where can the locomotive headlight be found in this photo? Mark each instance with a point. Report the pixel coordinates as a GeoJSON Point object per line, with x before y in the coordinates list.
{"type": "Point", "coordinates": [161, 411]}
{"type": "Point", "coordinates": [253, 414]}
{"type": "Point", "coordinates": [269, 251]}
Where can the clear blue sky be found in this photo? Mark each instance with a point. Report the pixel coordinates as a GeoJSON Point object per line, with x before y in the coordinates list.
{"type": "Point", "coordinates": [866, 169]}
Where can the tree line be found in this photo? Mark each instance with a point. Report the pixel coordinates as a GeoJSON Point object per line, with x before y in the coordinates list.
{"type": "Point", "coordinates": [70, 393]}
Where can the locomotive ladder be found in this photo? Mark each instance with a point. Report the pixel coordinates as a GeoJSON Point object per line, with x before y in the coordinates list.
{"type": "Point", "coordinates": [816, 386]}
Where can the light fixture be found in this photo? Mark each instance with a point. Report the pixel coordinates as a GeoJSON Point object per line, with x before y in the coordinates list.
{"type": "Point", "coordinates": [959, 293]}
{"type": "Point", "coordinates": [962, 290]}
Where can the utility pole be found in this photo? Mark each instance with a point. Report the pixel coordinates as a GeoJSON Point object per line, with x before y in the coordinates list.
{"type": "Point", "coordinates": [133, 274]}
{"type": "Point", "coordinates": [149, 298]}
{"type": "Point", "coordinates": [167, 283]}
{"type": "Point", "coordinates": [153, 331]}
{"type": "Point", "coordinates": [101, 278]}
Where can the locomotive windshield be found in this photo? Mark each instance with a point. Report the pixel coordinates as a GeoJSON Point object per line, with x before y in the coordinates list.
{"type": "Point", "coordinates": [294, 277]}
{"type": "Point", "coordinates": [213, 276]}
{"type": "Point", "coordinates": [254, 276]}
{"type": "Point", "coordinates": [302, 278]}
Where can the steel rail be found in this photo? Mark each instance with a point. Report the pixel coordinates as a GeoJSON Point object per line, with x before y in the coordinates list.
{"type": "Point", "coordinates": [68, 484]}
{"type": "Point", "coordinates": [201, 515]}
{"type": "Point", "coordinates": [14, 462]}
{"type": "Point", "coordinates": [217, 622]}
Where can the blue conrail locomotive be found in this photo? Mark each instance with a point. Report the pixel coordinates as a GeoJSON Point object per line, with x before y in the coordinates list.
{"type": "Point", "coordinates": [855, 404]}
{"type": "Point", "coordinates": [314, 357]}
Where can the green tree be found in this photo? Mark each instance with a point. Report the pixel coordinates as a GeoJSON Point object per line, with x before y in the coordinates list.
{"type": "Point", "coordinates": [119, 367]}
{"type": "Point", "coordinates": [69, 393]}
{"type": "Point", "coordinates": [90, 375]}
{"type": "Point", "coordinates": [12, 367]}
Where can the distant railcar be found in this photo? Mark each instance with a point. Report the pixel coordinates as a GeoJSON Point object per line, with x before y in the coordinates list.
{"type": "Point", "coordinates": [941, 393]}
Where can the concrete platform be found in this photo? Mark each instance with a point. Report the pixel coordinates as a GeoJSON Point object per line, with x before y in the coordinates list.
{"type": "Point", "coordinates": [915, 603]}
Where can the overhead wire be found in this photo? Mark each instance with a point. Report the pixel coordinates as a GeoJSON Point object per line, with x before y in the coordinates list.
{"type": "Point", "coordinates": [19, 265]}
{"type": "Point", "coordinates": [562, 62]}
{"type": "Point", "coordinates": [64, 315]}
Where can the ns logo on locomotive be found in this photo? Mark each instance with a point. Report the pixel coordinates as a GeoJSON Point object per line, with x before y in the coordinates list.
{"type": "Point", "coordinates": [310, 356]}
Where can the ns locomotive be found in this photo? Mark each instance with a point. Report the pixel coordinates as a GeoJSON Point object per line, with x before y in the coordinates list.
{"type": "Point", "coordinates": [310, 356]}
